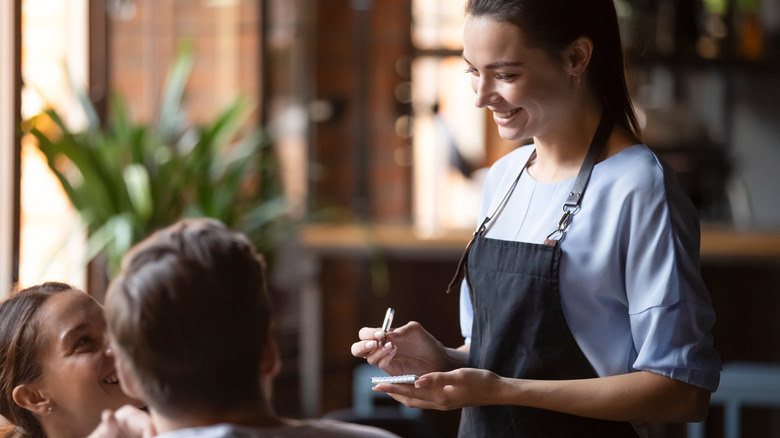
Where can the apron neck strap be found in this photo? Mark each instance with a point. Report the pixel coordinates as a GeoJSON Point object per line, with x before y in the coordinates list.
{"type": "Point", "coordinates": [570, 207]}
{"type": "Point", "coordinates": [597, 145]}
{"type": "Point", "coordinates": [572, 204]}
{"type": "Point", "coordinates": [461, 271]}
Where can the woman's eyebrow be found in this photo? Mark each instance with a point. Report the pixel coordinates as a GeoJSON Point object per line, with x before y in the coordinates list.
{"type": "Point", "coordinates": [498, 64]}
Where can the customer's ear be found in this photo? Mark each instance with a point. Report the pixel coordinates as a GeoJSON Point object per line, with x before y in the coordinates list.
{"type": "Point", "coordinates": [271, 360]}
{"type": "Point", "coordinates": [32, 398]}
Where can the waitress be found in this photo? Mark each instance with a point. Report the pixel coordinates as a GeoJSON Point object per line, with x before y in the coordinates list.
{"type": "Point", "coordinates": [582, 306]}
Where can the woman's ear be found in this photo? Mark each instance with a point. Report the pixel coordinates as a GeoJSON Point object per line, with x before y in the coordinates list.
{"type": "Point", "coordinates": [29, 397]}
{"type": "Point", "coordinates": [578, 55]}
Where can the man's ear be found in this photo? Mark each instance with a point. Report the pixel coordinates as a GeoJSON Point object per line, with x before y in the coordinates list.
{"type": "Point", "coordinates": [29, 397]}
{"type": "Point", "coordinates": [578, 55]}
{"type": "Point", "coordinates": [271, 360]}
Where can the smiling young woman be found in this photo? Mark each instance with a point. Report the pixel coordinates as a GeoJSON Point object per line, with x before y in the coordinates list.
{"type": "Point", "coordinates": [592, 335]}
{"type": "Point", "coordinates": [56, 375]}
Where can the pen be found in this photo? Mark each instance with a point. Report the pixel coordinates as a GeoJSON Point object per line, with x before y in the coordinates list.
{"type": "Point", "coordinates": [387, 323]}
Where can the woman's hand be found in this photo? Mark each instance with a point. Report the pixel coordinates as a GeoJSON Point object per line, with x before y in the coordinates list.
{"type": "Point", "coordinates": [641, 396]}
{"type": "Point", "coordinates": [409, 349]}
{"type": "Point", "coordinates": [126, 422]}
{"type": "Point", "coordinates": [445, 391]}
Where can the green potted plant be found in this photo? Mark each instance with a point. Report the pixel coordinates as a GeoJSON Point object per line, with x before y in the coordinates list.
{"type": "Point", "coordinates": [126, 180]}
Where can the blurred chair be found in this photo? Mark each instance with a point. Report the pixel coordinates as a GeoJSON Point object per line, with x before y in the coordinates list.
{"type": "Point", "coordinates": [380, 410]}
{"type": "Point", "coordinates": [742, 384]}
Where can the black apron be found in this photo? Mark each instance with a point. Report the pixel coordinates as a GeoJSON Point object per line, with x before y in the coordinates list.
{"type": "Point", "coordinates": [519, 328]}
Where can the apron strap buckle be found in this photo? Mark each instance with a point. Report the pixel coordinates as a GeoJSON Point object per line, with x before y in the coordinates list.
{"type": "Point", "coordinates": [563, 224]}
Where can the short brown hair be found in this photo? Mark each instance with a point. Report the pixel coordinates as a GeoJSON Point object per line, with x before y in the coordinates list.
{"type": "Point", "coordinates": [189, 313]}
{"type": "Point", "coordinates": [20, 345]}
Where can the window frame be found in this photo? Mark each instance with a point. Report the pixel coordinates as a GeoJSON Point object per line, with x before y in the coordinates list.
{"type": "Point", "coordinates": [10, 116]}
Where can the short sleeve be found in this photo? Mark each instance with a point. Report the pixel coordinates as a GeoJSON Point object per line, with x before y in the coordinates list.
{"type": "Point", "coordinates": [670, 311]}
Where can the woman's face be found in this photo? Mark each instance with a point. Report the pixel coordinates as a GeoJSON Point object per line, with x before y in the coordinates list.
{"type": "Point", "coordinates": [527, 90]}
{"type": "Point", "coordinates": [78, 377]}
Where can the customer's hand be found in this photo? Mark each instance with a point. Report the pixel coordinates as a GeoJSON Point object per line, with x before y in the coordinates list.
{"type": "Point", "coordinates": [126, 422]}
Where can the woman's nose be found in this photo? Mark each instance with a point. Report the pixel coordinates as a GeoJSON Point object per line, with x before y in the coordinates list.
{"type": "Point", "coordinates": [108, 349]}
{"type": "Point", "coordinates": [483, 91]}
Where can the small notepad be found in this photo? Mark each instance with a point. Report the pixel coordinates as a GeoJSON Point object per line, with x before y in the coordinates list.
{"type": "Point", "coordinates": [408, 378]}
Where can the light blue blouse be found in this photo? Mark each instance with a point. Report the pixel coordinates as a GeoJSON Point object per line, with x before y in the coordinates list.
{"type": "Point", "coordinates": [630, 284]}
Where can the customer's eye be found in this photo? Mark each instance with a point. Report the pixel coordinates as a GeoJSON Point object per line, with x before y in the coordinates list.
{"type": "Point", "coordinates": [83, 342]}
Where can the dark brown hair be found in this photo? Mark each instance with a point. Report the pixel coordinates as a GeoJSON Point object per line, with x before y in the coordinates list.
{"type": "Point", "coordinates": [20, 344]}
{"type": "Point", "coordinates": [552, 25]}
{"type": "Point", "coordinates": [189, 314]}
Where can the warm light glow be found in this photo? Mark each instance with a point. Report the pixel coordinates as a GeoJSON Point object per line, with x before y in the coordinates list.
{"type": "Point", "coordinates": [437, 24]}
{"type": "Point", "coordinates": [447, 127]}
{"type": "Point", "coordinates": [51, 249]}
{"type": "Point", "coordinates": [53, 49]}
{"type": "Point", "coordinates": [445, 199]}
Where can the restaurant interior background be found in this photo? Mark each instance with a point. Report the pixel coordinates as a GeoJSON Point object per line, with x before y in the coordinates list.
{"type": "Point", "coordinates": [379, 153]}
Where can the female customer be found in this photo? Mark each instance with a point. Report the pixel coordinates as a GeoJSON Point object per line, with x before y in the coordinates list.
{"type": "Point", "coordinates": [582, 305]}
{"type": "Point", "coordinates": [56, 376]}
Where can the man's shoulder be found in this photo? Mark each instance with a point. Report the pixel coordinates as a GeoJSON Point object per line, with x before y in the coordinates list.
{"type": "Point", "coordinates": [338, 429]}
{"type": "Point", "coordinates": [300, 429]}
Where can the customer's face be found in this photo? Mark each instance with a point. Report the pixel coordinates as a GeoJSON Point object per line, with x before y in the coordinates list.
{"type": "Point", "coordinates": [78, 377]}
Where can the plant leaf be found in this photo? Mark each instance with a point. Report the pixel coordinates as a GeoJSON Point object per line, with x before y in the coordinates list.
{"type": "Point", "coordinates": [139, 190]}
{"type": "Point", "coordinates": [175, 83]}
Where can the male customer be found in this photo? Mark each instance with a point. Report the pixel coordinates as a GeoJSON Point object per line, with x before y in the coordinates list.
{"type": "Point", "coordinates": [190, 323]}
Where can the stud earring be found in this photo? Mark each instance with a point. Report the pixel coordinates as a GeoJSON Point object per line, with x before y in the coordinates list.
{"type": "Point", "coordinates": [48, 410]}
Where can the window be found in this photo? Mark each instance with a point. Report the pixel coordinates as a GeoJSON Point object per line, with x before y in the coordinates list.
{"type": "Point", "coordinates": [454, 142]}
{"type": "Point", "coordinates": [54, 53]}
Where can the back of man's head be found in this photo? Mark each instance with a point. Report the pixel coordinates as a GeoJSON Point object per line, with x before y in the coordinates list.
{"type": "Point", "coordinates": [189, 315]}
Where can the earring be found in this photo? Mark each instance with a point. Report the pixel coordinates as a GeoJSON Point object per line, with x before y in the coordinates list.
{"type": "Point", "coordinates": [48, 410]}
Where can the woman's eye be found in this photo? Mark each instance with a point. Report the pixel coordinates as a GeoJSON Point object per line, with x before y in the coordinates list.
{"type": "Point", "coordinates": [505, 77]}
{"type": "Point", "coordinates": [470, 71]}
{"type": "Point", "coordinates": [83, 341]}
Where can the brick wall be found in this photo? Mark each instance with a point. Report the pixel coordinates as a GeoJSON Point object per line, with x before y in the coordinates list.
{"type": "Point", "coordinates": [363, 162]}
{"type": "Point", "coordinates": [226, 42]}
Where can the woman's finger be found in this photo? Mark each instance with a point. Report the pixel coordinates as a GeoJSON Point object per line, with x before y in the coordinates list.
{"type": "Point", "coordinates": [369, 333]}
{"type": "Point", "coordinates": [363, 348]}
{"type": "Point", "coordinates": [382, 356]}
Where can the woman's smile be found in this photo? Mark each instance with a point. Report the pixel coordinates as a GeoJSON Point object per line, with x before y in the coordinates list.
{"type": "Point", "coordinates": [506, 114]}
{"type": "Point", "coordinates": [507, 118]}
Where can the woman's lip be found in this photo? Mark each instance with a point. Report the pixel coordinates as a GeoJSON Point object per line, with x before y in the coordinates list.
{"type": "Point", "coordinates": [506, 114]}
{"type": "Point", "coordinates": [502, 118]}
